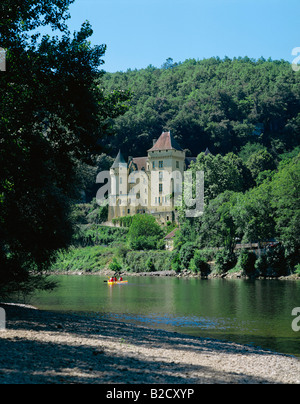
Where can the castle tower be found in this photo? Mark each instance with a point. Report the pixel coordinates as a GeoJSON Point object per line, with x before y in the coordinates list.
{"type": "Point", "coordinates": [118, 194]}
{"type": "Point", "coordinates": [167, 164]}
{"type": "Point", "coordinates": [149, 184]}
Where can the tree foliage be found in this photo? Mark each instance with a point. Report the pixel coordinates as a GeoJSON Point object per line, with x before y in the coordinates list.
{"type": "Point", "coordinates": [144, 233]}
{"type": "Point", "coordinates": [219, 104]}
{"type": "Point", "coordinates": [222, 173]}
{"type": "Point", "coordinates": [53, 115]}
{"type": "Point", "coordinates": [268, 211]}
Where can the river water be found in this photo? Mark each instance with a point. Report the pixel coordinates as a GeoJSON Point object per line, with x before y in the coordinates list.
{"type": "Point", "coordinates": [249, 312]}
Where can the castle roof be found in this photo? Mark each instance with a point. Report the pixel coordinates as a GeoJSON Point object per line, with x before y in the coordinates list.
{"type": "Point", "coordinates": [172, 234]}
{"type": "Point", "coordinates": [166, 142]}
{"type": "Point", "coordinates": [119, 160]}
{"type": "Point", "coordinates": [140, 162]}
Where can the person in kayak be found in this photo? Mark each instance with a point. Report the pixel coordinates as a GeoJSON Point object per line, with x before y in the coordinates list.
{"type": "Point", "coordinates": [120, 279]}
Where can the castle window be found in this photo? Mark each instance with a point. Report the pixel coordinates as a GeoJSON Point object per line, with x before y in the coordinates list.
{"type": "Point", "coordinates": [161, 164]}
{"type": "Point", "coordinates": [177, 164]}
{"type": "Point", "coordinates": [153, 164]}
{"type": "Point", "coordinates": [160, 187]}
{"type": "Point", "coordinates": [160, 175]}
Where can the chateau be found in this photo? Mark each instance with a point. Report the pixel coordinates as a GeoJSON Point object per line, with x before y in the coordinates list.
{"type": "Point", "coordinates": [149, 184]}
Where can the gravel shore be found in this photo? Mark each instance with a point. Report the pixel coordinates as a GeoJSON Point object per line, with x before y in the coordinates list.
{"type": "Point", "coordinates": [40, 347]}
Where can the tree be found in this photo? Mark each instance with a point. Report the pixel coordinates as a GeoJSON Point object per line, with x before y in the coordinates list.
{"type": "Point", "coordinates": [186, 253]}
{"type": "Point", "coordinates": [199, 264]}
{"type": "Point", "coordinates": [260, 161]}
{"type": "Point", "coordinates": [222, 173]}
{"type": "Point", "coordinates": [249, 149]}
{"type": "Point", "coordinates": [225, 260]}
{"type": "Point", "coordinates": [246, 262]}
{"type": "Point", "coordinates": [218, 228]}
{"type": "Point", "coordinates": [53, 115]}
{"type": "Point", "coordinates": [286, 203]}
{"type": "Point", "coordinates": [144, 232]}
{"type": "Point", "coordinates": [253, 214]}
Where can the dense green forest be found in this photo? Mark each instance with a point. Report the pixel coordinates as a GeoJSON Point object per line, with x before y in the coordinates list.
{"type": "Point", "coordinates": [236, 211]}
{"type": "Point", "coordinates": [221, 104]}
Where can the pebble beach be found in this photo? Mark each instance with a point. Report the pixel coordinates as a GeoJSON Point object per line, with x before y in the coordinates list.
{"type": "Point", "coordinates": [41, 347]}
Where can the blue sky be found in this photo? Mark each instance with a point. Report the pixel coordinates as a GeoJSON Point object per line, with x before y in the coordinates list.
{"type": "Point", "coordinates": [143, 32]}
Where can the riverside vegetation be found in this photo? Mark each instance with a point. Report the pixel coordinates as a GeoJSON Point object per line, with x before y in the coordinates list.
{"type": "Point", "coordinates": [247, 112]}
{"type": "Point", "coordinates": [203, 246]}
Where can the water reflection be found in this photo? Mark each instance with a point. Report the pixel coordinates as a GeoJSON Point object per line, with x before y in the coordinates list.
{"type": "Point", "coordinates": [257, 312]}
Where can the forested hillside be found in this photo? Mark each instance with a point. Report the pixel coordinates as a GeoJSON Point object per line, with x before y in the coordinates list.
{"type": "Point", "coordinates": [214, 103]}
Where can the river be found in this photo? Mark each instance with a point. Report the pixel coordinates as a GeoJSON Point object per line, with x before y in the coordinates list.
{"type": "Point", "coordinates": [250, 312]}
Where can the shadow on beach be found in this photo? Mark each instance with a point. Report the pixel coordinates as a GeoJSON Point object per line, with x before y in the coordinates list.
{"type": "Point", "coordinates": [51, 347]}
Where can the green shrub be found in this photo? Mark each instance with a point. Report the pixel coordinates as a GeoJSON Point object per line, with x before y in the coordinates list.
{"type": "Point", "coordinates": [198, 264]}
{"type": "Point", "coordinates": [98, 215]}
{"type": "Point", "coordinates": [246, 262]}
{"type": "Point", "coordinates": [208, 254]}
{"type": "Point", "coordinates": [122, 250]}
{"type": "Point", "coordinates": [88, 259]}
{"type": "Point", "coordinates": [273, 263]}
{"type": "Point", "coordinates": [150, 265]}
{"type": "Point", "coordinates": [144, 233]}
{"type": "Point", "coordinates": [186, 253]}
{"type": "Point", "coordinates": [148, 261]}
{"type": "Point", "coordinates": [99, 235]}
{"type": "Point", "coordinates": [115, 265]}
{"type": "Point", "coordinates": [176, 263]}
{"type": "Point", "coordinates": [144, 243]}
{"type": "Point", "coordinates": [124, 221]}
{"type": "Point", "coordinates": [225, 260]}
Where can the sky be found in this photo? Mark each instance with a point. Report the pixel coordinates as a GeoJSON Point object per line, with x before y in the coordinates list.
{"type": "Point", "coordinates": [139, 33]}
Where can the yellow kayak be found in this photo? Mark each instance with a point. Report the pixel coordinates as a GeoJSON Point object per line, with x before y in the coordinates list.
{"type": "Point", "coordinates": [116, 282]}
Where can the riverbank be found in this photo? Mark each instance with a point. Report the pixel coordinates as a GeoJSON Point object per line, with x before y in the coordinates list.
{"type": "Point", "coordinates": [184, 274]}
{"type": "Point", "coordinates": [53, 347]}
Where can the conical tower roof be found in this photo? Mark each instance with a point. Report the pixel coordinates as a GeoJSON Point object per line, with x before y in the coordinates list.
{"type": "Point", "coordinates": [119, 160]}
{"type": "Point", "coordinates": [166, 141]}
